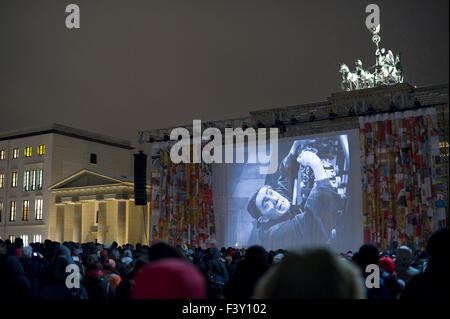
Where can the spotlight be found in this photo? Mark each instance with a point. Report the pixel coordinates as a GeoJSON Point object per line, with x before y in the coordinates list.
{"type": "Point", "coordinates": [332, 115]}
{"type": "Point", "coordinates": [312, 118]}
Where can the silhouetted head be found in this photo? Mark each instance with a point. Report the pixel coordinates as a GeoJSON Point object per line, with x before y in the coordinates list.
{"type": "Point", "coordinates": [368, 254]}
{"type": "Point", "coordinates": [162, 250]}
{"type": "Point", "coordinates": [438, 248]}
{"type": "Point", "coordinates": [311, 273]}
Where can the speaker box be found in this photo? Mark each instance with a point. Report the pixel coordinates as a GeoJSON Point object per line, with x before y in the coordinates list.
{"type": "Point", "coordinates": [140, 179]}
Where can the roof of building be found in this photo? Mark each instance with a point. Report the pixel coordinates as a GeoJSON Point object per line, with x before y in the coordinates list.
{"type": "Point", "coordinates": [102, 179]}
{"type": "Point", "coordinates": [428, 96]}
{"type": "Point", "coordinates": [106, 176]}
{"type": "Point", "coordinates": [67, 131]}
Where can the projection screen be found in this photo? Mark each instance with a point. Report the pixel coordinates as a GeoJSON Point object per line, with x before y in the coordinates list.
{"type": "Point", "coordinates": [312, 201]}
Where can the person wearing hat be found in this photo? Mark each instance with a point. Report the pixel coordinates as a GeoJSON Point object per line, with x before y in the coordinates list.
{"type": "Point", "coordinates": [111, 273]}
{"type": "Point", "coordinates": [169, 278]}
{"type": "Point", "coordinates": [403, 264]}
{"type": "Point", "coordinates": [278, 221]}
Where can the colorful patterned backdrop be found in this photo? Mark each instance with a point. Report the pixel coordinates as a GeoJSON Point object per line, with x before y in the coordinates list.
{"type": "Point", "coordinates": [402, 193]}
{"type": "Point", "coordinates": [182, 196]}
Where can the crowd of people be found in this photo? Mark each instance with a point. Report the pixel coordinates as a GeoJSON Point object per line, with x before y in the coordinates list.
{"type": "Point", "coordinates": [161, 271]}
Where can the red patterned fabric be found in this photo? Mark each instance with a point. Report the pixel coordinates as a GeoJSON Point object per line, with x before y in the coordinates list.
{"type": "Point", "coordinates": [402, 190]}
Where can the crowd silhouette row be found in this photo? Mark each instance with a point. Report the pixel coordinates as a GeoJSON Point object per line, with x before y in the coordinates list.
{"type": "Point", "coordinates": [161, 271]}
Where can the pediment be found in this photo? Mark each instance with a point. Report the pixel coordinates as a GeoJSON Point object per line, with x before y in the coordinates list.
{"type": "Point", "coordinates": [85, 178]}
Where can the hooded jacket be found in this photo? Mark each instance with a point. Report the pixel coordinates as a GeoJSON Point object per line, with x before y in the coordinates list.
{"type": "Point", "coordinates": [248, 273]}
{"type": "Point", "coordinates": [16, 284]}
{"type": "Point", "coordinates": [216, 266]}
{"type": "Point", "coordinates": [53, 279]}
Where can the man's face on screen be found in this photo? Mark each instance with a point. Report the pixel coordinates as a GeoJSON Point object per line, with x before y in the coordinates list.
{"type": "Point", "coordinates": [271, 204]}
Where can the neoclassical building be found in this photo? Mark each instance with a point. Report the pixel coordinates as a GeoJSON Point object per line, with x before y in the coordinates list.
{"type": "Point", "coordinates": [62, 183]}
{"type": "Point", "coordinates": [92, 206]}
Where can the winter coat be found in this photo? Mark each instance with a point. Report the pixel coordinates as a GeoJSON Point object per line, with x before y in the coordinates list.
{"type": "Point", "coordinates": [15, 284]}
{"type": "Point", "coordinates": [97, 286]}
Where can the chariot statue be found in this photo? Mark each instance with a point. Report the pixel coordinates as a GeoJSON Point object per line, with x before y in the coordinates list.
{"type": "Point", "coordinates": [386, 71]}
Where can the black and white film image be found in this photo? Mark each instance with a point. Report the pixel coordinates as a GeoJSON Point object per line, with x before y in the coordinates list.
{"type": "Point", "coordinates": [307, 201]}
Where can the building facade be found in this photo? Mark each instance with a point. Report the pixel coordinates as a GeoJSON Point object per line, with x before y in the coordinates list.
{"type": "Point", "coordinates": [33, 160]}
{"type": "Point", "coordinates": [95, 207]}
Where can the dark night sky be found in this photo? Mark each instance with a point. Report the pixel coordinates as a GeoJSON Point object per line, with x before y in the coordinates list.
{"type": "Point", "coordinates": [137, 65]}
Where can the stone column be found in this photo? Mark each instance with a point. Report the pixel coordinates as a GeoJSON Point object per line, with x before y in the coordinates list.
{"type": "Point", "coordinates": [135, 221]}
{"type": "Point", "coordinates": [102, 228]}
{"type": "Point", "coordinates": [77, 223]}
{"type": "Point", "coordinates": [112, 211]}
{"type": "Point", "coordinates": [68, 222]}
{"type": "Point", "coordinates": [51, 219]}
{"type": "Point", "coordinates": [127, 221]}
{"type": "Point", "coordinates": [121, 222]}
{"type": "Point", "coordinates": [59, 233]}
{"type": "Point", "coordinates": [88, 211]}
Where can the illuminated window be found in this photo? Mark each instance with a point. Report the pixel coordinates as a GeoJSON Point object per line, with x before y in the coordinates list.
{"type": "Point", "coordinates": [2, 155]}
{"type": "Point", "coordinates": [41, 150]}
{"type": "Point", "coordinates": [26, 209]}
{"type": "Point", "coordinates": [37, 238]}
{"type": "Point", "coordinates": [2, 180]}
{"type": "Point", "coordinates": [93, 158]}
{"type": "Point", "coordinates": [14, 179]}
{"type": "Point", "coordinates": [12, 211]}
{"type": "Point", "coordinates": [39, 178]}
{"type": "Point", "coordinates": [12, 238]}
{"type": "Point", "coordinates": [33, 180]}
{"type": "Point", "coordinates": [15, 153]}
{"type": "Point", "coordinates": [24, 239]}
{"type": "Point", "coordinates": [27, 151]}
{"type": "Point", "coordinates": [1, 210]}
{"type": "Point", "coordinates": [26, 181]}
{"type": "Point", "coordinates": [38, 209]}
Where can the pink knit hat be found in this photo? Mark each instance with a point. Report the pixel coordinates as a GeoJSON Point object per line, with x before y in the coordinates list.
{"type": "Point", "coordinates": [169, 278]}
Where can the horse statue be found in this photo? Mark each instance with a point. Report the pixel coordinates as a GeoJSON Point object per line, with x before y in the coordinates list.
{"type": "Point", "coordinates": [399, 68]}
{"type": "Point", "coordinates": [366, 79]}
{"type": "Point", "coordinates": [388, 69]}
{"type": "Point", "coordinates": [349, 79]}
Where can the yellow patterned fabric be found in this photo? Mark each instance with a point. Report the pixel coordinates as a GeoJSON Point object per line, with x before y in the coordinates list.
{"type": "Point", "coordinates": [402, 201]}
{"type": "Point", "coordinates": [182, 194]}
